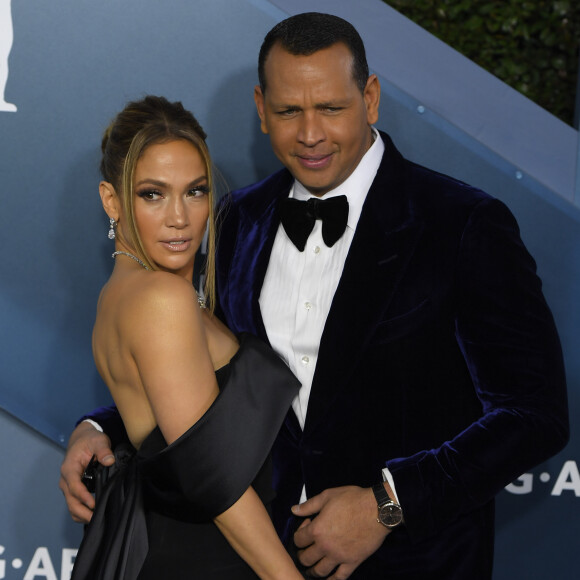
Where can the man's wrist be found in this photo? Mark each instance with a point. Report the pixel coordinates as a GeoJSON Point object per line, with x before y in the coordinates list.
{"type": "Point", "coordinates": [390, 513]}
{"type": "Point", "coordinates": [94, 424]}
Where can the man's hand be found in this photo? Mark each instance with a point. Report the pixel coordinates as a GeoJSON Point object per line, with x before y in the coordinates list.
{"type": "Point", "coordinates": [84, 442]}
{"type": "Point", "coordinates": [343, 534]}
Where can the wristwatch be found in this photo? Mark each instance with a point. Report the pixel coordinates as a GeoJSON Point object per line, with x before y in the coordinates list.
{"type": "Point", "coordinates": [390, 512]}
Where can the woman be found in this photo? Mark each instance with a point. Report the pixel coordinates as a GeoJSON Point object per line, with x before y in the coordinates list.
{"type": "Point", "coordinates": [201, 407]}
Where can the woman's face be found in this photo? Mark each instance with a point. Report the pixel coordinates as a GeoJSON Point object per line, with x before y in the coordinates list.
{"type": "Point", "coordinates": [171, 198]}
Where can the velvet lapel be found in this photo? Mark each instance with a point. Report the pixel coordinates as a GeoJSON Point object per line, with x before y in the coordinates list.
{"type": "Point", "coordinates": [258, 224]}
{"type": "Point", "coordinates": [384, 241]}
{"type": "Point", "coordinates": [257, 229]}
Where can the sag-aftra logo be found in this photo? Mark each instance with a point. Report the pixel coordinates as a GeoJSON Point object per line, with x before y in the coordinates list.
{"type": "Point", "coordinates": [41, 565]}
{"type": "Point", "coordinates": [568, 480]}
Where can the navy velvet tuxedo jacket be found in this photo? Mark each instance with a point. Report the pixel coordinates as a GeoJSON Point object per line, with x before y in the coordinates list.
{"type": "Point", "coordinates": [439, 360]}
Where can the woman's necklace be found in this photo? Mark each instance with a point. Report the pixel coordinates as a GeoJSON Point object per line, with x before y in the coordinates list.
{"type": "Point", "coordinates": [200, 300]}
{"type": "Point", "coordinates": [140, 262]}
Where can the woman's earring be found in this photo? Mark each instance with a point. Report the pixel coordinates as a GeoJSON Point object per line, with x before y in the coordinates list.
{"type": "Point", "coordinates": [112, 226]}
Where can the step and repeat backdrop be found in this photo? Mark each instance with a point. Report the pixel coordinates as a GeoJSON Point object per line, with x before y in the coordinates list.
{"type": "Point", "coordinates": [66, 67]}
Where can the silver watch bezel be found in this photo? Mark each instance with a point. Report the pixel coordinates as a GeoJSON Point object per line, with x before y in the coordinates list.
{"type": "Point", "coordinates": [392, 514]}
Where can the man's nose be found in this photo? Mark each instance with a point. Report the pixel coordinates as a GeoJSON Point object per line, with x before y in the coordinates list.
{"type": "Point", "coordinates": [311, 130]}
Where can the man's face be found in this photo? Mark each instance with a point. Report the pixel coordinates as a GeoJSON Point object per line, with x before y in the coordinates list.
{"type": "Point", "coordinates": [317, 118]}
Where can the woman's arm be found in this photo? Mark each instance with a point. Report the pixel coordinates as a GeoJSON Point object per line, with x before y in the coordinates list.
{"type": "Point", "coordinates": [165, 336]}
{"type": "Point", "coordinates": [249, 530]}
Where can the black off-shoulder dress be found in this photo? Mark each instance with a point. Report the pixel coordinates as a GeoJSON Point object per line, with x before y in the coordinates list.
{"type": "Point", "coordinates": [155, 507]}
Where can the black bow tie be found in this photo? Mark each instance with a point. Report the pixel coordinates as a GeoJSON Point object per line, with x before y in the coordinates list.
{"type": "Point", "coordinates": [298, 218]}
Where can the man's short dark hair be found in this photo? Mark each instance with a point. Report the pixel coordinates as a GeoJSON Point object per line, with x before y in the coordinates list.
{"type": "Point", "coordinates": [304, 34]}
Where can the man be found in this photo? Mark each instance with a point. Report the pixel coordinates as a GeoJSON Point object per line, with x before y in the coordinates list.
{"type": "Point", "coordinates": [431, 370]}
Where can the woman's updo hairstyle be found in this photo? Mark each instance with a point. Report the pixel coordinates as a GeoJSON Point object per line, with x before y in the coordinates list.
{"type": "Point", "coordinates": [140, 124]}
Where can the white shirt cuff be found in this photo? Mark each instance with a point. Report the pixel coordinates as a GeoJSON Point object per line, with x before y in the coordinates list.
{"type": "Point", "coordinates": [388, 477]}
{"type": "Point", "coordinates": [94, 424]}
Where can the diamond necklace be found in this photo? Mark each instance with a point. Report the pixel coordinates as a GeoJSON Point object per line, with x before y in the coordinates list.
{"type": "Point", "coordinates": [140, 262]}
{"type": "Point", "coordinates": [200, 300]}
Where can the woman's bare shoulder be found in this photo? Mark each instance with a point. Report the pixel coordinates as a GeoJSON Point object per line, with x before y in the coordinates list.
{"type": "Point", "coordinates": [161, 290]}
{"type": "Point", "coordinates": [158, 300]}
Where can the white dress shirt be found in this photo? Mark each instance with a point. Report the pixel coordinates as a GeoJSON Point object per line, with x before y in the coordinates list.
{"type": "Point", "coordinates": [299, 286]}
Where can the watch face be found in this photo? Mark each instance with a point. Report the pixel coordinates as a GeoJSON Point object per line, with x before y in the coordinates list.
{"type": "Point", "coordinates": [390, 514]}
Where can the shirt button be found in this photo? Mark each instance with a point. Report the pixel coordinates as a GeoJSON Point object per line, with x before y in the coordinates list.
{"type": "Point", "coordinates": [316, 249]}
{"type": "Point", "coordinates": [305, 360]}
{"type": "Point", "coordinates": [308, 305]}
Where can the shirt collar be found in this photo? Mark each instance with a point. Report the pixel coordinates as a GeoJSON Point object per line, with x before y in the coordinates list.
{"type": "Point", "coordinates": [356, 186]}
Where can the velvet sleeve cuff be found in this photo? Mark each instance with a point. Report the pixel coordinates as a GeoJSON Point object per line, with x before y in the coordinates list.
{"type": "Point", "coordinates": [110, 421]}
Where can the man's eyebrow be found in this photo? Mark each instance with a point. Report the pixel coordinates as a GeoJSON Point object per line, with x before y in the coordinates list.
{"type": "Point", "coordinates": [283, 105]}
{"type": "Point", "coordinates": [330, 104]}
{"type": "Point", "coordinates": [321, 105]}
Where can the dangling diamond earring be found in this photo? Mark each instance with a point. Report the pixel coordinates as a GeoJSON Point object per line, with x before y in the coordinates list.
{"type": "Point", "coordinates": [113, 225]}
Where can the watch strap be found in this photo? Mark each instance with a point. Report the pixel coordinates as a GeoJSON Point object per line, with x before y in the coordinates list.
{"type": "Point", "coordinates": [381, 494]}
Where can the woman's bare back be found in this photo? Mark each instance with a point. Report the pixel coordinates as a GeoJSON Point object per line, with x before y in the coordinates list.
{"type": "Point", "coordinates": [157, 351]}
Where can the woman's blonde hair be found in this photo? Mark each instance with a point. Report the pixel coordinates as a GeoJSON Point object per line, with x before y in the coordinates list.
{"type": "Point", "coordinates": [139, 125]}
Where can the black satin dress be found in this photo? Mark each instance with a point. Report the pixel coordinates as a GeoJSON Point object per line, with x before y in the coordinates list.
{"type": "Point", "coordinates": [155, 508]}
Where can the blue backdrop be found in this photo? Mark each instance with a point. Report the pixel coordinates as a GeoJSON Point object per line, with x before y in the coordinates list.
{"type": "Point", "coordinates": [74, 64]}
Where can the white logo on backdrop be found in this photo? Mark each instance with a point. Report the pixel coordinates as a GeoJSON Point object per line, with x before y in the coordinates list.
{"type": "Point", "coordinates": [40, 566]}
{"type": "Point", "coordinates": [568, 480]}
{"type": "Point", "coordinates": [6, 37]}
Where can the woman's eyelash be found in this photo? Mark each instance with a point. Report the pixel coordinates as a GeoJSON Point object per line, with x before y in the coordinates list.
{"type": "Point", "coordinates": [152, 193]}
{"type": "Point", "coordinates": [199, 190]}
{"type": "Point", "coordinates": [148, 193]}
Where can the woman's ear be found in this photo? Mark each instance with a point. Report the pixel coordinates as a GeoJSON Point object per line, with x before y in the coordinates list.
{"type": "Point", "coordinates": [109, 200]}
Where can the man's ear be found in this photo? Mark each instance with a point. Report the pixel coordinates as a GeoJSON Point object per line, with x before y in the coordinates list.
{"type": "Point", "coordinates": [109, 200]}
{"type": "Point", "coordinates": [372, 97]}
{"type": "Point", "coordinates": [259, 100]}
